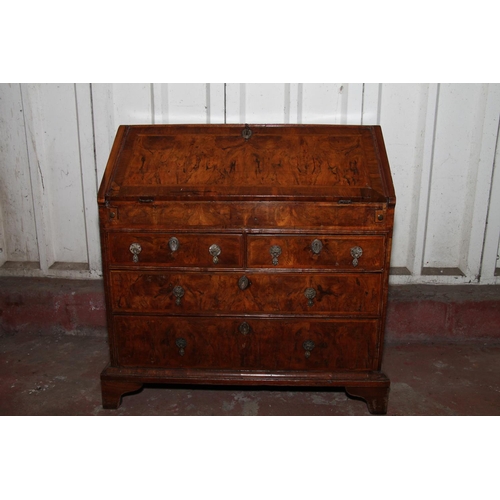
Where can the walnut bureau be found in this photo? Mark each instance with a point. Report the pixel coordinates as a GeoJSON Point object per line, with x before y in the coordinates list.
{"type": "Point", "coordinates": [247, 254]}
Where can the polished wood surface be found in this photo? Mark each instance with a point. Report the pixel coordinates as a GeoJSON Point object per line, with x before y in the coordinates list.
{"type": "Point", "coordinates": [264, 215]}
{"type": "Point", "coordinates": [295, 294]}
{"type": "Point", "coordinates": [272, 344]}
{"type": "Point", "coordinates": [335, 252]}
{"type": "Point", "coordinates": [216, 161]}
{"type": "Point", "coordinates": [193, 250]}
{"type": "Point", "coordinates": [353, 294]}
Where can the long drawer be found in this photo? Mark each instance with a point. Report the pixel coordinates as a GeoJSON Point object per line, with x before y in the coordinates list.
{"type": "Point", "coordinates": [248, 343]}
{"type": "Point", "coordinates": [238, 293]}
{"type": "Point", "coordinates": [262, 214]}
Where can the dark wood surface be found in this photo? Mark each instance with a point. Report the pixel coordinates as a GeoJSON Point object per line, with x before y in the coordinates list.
{"type": "Point", "coordinates": [216, 161]}
{"type": "Point", "coordinates": [309, 315]}
{"type": "Point", "coordinates": [335, 253]}
{"type": "Point", "coordinates": [140, 291]}
{"type": "Point", "coordinates": [272, 344]}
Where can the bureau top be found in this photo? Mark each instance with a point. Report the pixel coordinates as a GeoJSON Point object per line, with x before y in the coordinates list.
{"type": "Point", "coordinates": [344, 163]}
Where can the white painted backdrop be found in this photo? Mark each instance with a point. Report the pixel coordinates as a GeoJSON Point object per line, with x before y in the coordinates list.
{"type": "Point", "coordinates": [441, 140]}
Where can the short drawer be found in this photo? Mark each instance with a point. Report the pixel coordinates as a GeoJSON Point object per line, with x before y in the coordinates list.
{"type": "Point", "coordinates": [343, 253]}
{"type": "Point", "coordinates": [250, 343]}
{"type": "Point", "coordinates": [230, 292]}
{"type": "Point", "coordinates": [176, 250]}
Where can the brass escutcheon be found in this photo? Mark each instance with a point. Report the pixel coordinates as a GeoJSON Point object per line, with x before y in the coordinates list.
{"type": "Point", "coordinates": [316, 246]}
{"type": "Point", "coordinates": [214, 251]}
{"type": "Point", "coordinates": [244, 328]}
{"type": "Point", "coordinates": [178, 293]}
{"type": "Point", "coordinates": [246, 133]}
{"type": "Point", "coordinates": [275, 252]}
{"type": "Point", "coordinates": [356, 253]}
{"type": "Point", "coordinates": [310, 293]}
{"type": "Point", "coordinates": [173, 244]}
{"type": "Point", "coordinates": [308, 346]}
{"type": "Point", "coordinates": [181, 344]}
{"type": "Point", "coordinates": [136, 249]}
{"type": "Point", "coordinates": [243, 283]}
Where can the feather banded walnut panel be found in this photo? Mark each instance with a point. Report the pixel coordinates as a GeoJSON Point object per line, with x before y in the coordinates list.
{"type": "Point", "coordinates": [247, 254]}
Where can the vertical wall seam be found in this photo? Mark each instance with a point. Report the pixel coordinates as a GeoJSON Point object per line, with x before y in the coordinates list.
{"type": "Point", "coordinates": [207, 103]}
{"type": "Point", "coordinates": [152, 95]}
{"type": "Point", "coordinates": [430, 174]}
{"type": "Point", "coordinates": [81, 173]}
{"type": "Point", "coordinates": [36, 215]}
{"type": "Point", "coordinates": [225, 104]}
{"type": "Point", "coordinates": [362, 104]}
{"type": "Point", "coordinates": [286, 104]}
{"type": "Point", "coordinates": [379, 103]}
{"type": "Point", "coordinates": [300, 100]}
{"type": "Point", "coordinates": [92, 118]}
{"type": "Point", "coordinates": [490, 194]}
{"type": "Point", "coordinates": [243, 107]}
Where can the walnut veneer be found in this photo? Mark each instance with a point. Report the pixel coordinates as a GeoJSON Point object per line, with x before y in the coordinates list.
{"type": "Point", "coordinates": [254, 255]}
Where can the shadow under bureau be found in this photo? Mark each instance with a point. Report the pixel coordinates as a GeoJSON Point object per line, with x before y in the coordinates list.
{"type": "Point", "coordinates": [247, 254]}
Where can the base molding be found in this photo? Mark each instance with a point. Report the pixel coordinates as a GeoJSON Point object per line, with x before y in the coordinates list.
{"type": "Point", "coordinates": [372, 387]}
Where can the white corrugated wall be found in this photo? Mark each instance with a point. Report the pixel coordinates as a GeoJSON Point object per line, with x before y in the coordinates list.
{"type": "Point", "coordinates": [441, 141]}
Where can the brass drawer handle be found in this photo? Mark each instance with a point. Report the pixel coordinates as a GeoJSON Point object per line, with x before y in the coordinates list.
{"type": "Point", "coordinates": [136, 249]}
{"type": "Point", "coordinates": [275, 252]}
{"type": "Point", "coordinates": [310, 293]}
{"type": "Point", "coordinates": [215, 251]}
{"type": "Point", "coordinates": [243, 283]}
{"type": "Point", "coordinates": [356, 253]}
{"type": "Point", "coordinates": [181, 344]}
{"type": "Point", "coordinates": [173, 244]}
{"type": "Point", "coordinates": [244, 328]}
{"type": "Point", "coordinates": [308, 346]}
{"type": "Point", "coordinates": [316, 246]}
{"type": "Point", "coordinates": [178, 292]}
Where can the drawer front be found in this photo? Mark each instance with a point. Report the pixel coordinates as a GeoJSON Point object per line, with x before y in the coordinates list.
{"type": "Point", "coordinates": [179, 250]}
{"type": "Point", "coordinates": [252, 215]}
{"type": "Point", "coordinates": [343, 253]}
{"type": "Point", "coordinates": [249, 343]}
{"type": "Point", "coordinates": [287, 293]}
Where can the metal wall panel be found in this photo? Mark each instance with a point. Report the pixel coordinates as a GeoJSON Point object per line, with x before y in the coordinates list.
{"type": "Point", "coordinates": [442, 142]}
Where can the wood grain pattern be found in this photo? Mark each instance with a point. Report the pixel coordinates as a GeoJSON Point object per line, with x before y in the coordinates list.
{"type": "Point", "coordinates": [167, 158]}
{"type": "Point", "coordinates": [335, 253]}
{"type": "Point", "coordinates": [193, 250]}
{"type": "Point", "coordinates": [250, 215]}
{"type": "Point", "coordinates": [308, 315]}
{"type": "Point", "coordinates": [272, 344]}
{"type": "Point", "coordinates": [281, 293]}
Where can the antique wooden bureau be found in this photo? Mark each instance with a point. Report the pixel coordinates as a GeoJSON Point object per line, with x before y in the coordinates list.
{"type": "Point", "coordinates": [247, 254]}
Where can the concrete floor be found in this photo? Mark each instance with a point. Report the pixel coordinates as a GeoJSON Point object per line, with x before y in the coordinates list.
{"type": "Point", "coordinates": [58, 374]}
